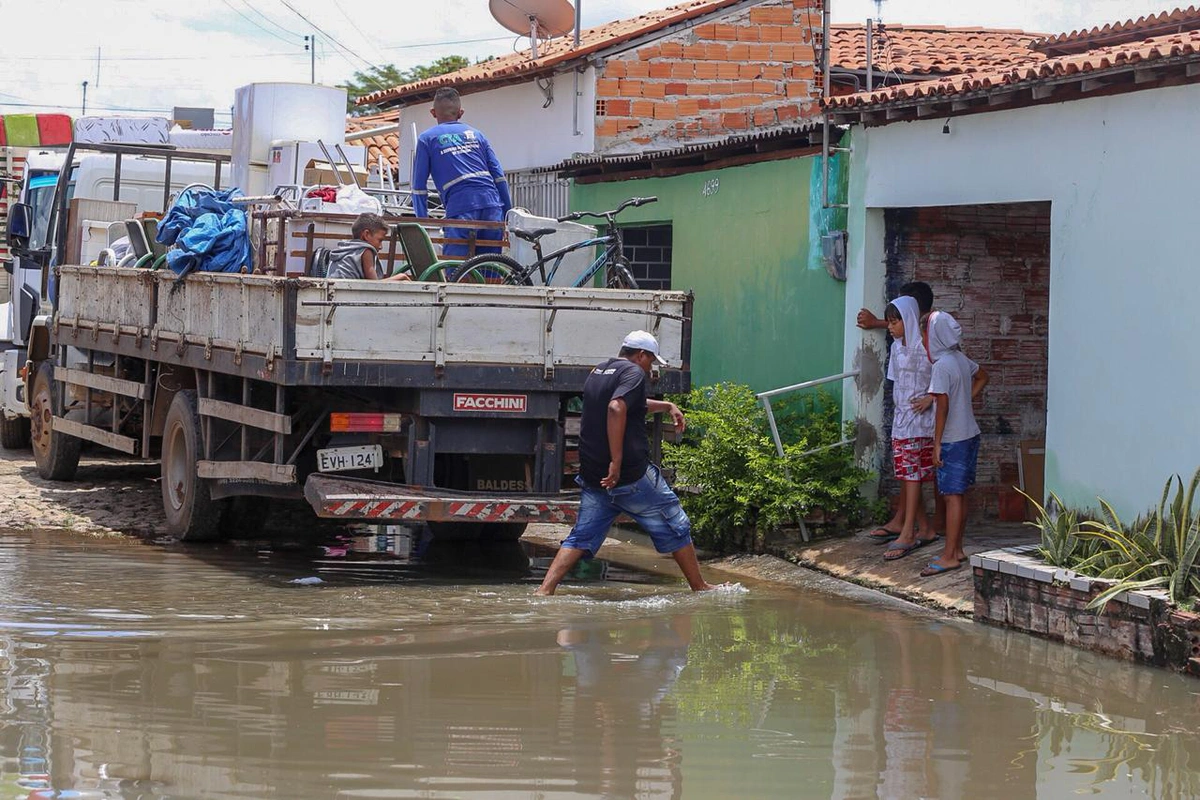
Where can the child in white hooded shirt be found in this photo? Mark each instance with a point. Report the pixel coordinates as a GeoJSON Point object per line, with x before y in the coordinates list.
{"type": "Point", "coordinates": [909, 369]}
{"type": "Point", "coordinates": [956, 381]}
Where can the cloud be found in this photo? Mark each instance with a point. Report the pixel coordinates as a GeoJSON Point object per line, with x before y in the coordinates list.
{"type": "Point", "coordinates": [155, 56]}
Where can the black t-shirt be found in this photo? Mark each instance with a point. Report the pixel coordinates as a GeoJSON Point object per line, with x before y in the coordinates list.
{"type": "Point", "coordinates": [615, 378]}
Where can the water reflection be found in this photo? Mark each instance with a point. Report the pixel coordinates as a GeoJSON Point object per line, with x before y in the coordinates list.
{"type": "Point", "coordinates": [132, 671]}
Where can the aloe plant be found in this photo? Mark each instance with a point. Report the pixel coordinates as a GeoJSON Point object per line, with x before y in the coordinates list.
{"type": "Point", "coordinates": [1059, 530]}
{"type": "Point", "coordinates": [1162, 552]}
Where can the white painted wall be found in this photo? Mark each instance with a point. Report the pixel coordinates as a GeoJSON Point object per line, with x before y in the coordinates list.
{"type": "Point", "coordinates": [523, 134]}
{"type": "Point", "coordinates": [1120, 173]}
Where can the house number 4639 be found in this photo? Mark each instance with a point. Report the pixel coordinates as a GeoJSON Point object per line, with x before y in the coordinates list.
{"type": "Point", "coordinates": [711, 187]}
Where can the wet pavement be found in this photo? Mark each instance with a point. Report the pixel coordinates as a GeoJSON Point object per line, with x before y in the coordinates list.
{"type": "Point", "coordinates": [135, 669]}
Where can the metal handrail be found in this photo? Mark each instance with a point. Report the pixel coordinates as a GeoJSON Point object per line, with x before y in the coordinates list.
{"type": "Point", "coordinates": [765, 397]}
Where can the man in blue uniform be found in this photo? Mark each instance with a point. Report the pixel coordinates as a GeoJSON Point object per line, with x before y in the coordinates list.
{"type": "Point", "coordinates": [466, 172]}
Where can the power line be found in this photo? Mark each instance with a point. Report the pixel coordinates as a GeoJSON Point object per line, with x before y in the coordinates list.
{"type": "Point", "coordinates": [325, 33]}
{"type": "Point", "coordinates": [289, 32]}
{"type": "Point", "coordinates": [443, 44]}
{"type": "Point", "coordinates": [100, 107]}
{"type": "Point", "coordinates": [354, 25]}
{"type": "Point", "coordinates": [39, 57]}
{"type": "Point", "coordinates": [267, 31]}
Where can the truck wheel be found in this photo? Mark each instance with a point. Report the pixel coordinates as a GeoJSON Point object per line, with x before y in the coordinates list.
{"type": "Point", "coordinates": [503, 531]}
{"type": "Point", "coordinates": [55, 453]}
{"type": "Point", "coordinates": [192, 514]}
{"type": "Point", "coordinates": [14, 433]}
{"type": "Point", "coordinates": [245, 515]}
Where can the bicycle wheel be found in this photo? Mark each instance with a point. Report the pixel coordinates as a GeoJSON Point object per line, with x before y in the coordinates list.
{"type": "Point", "coordinates": [494, 269]}
{"type": "Point", "coordinates": [620, 276]}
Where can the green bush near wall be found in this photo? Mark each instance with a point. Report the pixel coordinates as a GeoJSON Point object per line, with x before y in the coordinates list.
{"type": "Point", "coordinates": [732, 481]}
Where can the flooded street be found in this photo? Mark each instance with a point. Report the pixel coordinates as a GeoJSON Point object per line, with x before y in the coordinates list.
{"type": "Point", "coordinates": [137, 670]}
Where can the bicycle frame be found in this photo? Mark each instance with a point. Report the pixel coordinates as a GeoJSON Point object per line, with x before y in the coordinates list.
{"type": "Point", "coordinates": [613, 248]}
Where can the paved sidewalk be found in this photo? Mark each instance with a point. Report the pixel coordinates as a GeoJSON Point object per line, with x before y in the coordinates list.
{"type": "Point", "coordinates": [860, 560]}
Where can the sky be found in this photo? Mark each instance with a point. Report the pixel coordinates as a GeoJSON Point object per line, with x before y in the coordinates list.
{"type": "Point", "coordinates": [147, 56]}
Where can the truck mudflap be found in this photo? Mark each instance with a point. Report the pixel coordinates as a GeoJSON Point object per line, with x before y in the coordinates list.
{"type": "Point", "coordinates": [354, 499]}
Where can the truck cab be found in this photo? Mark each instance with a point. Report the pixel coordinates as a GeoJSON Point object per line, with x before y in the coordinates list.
{"type": "Point", "coordinates": [35, 249]}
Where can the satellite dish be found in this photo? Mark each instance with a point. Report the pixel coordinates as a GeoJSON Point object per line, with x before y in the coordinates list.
{"type": "Point", "coordinates": [537, 19]}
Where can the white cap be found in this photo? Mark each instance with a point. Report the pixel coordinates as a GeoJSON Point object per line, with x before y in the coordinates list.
{"type": "Point", "coordinates": [641, 340]}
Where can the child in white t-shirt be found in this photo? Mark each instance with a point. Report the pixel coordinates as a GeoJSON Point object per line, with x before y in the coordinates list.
{"type": "Point", "coordinates": [909, 369]}
{"type": "Point", "coordinates": [956, 381]}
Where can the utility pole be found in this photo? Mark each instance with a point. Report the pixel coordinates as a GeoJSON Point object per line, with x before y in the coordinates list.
{"type": "Point", "coordinates": [310, 44]}
{"type": "Point", "coordinates": [97, 66]}
{"type": "Point", "coordinates": [83, 111]}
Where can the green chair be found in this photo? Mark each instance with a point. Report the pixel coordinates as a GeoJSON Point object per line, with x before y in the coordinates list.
{"type": "Point", "coordinates": [422, 259]}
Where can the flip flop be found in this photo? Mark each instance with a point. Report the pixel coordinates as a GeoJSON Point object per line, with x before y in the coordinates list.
{"type": "Point", "coordinates": [901, 550]}
{"type": "Point", "coordinates": [937, 569]}
{"type": "Point", "coordinates": [889, 537]}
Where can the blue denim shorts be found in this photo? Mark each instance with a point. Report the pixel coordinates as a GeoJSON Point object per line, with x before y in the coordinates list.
{"type": "Point", "coordinates": [649, 500]}
{"type": "Point", "coordinates": [957, 472]}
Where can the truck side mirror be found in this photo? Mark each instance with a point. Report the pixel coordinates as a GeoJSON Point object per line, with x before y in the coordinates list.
{"type": "Point", "coordinates": [20, 225]}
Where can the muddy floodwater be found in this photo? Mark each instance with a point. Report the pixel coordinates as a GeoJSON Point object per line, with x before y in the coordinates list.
{"type": "Point", "coordinates": [132, 669]}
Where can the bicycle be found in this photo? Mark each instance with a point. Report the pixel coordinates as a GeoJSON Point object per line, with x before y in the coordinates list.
{"type": "Point", "coordinates": [501, 269]}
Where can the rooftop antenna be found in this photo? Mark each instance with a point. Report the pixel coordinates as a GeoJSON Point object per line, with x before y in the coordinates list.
{"type": "Point", "coordinates": [879, 11]}
{"type": "Point", "coordinates": [537, 19]}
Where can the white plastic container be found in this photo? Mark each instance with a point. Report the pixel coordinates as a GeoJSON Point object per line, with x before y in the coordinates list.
{"type": "Point", "coordinates": [566, 233]}
{"type": "Point", "coordinates": [267, 112]}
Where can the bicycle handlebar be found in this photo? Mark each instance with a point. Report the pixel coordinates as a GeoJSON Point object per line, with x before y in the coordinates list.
{"type": "Point", "coordinates": [633, 201]}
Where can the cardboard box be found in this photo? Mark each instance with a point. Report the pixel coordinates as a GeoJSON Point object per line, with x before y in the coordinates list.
{"type": "Point", "coordinates": [320, 173]}
{"type": "Point", "coordinates": [1032, 464]}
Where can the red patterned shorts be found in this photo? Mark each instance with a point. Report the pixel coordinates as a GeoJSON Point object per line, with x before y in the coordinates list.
{"type": "Point", "coordinates": [912, 459]}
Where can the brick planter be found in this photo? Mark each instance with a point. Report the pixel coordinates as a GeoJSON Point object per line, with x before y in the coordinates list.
{"type": "Point", "coordinates": [1016, 589]}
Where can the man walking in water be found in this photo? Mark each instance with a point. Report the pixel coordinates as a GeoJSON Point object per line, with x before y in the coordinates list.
{"type": "Point", "coordinates": [615, 472]}
{"type": "Point", "coordinates": [467, 174]}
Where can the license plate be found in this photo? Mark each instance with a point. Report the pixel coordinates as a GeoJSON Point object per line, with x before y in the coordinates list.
{"type": "Point", "coordinates": [342, 459]}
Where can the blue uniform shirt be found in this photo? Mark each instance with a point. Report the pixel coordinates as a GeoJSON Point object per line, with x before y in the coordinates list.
{"type": "Point", "coordinates": [465, 170]}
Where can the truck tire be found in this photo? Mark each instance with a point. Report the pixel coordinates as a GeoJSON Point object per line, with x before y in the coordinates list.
{"type": "Point", "coordinates": [245, 516]}
{"type": "Point", "coordinates": [503, 531]}
{"type": "Point", "coordinates": [477, 531]}
{"type": "Point", "coordinates": [14, 433]}
{"type": "Point", "coordinates": [192, 514]}
{"type": "Point", "coordinates": [55, 453]}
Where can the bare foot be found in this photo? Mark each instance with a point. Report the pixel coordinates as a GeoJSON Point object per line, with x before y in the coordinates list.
{"type": "Point", "coordinates": [543, 592]}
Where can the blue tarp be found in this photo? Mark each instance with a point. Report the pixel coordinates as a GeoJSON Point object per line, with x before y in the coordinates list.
{"type": "Point", "coordinates": [209, 232]}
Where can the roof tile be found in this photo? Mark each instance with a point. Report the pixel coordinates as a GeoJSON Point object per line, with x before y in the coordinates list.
{"type": "Point", "coordinates": [912, 50]}
{"type": "Point", "coordinates": [554, 52]}
{"type": "Point", "coordinates": [1177, 21]}
{"type": "Point", "coordinates": [1153, 49]}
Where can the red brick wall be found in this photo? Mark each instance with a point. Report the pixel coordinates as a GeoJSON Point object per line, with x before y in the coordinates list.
{"type": "Point", "coordinates": [989, 266]}
{"type": "Point", "coordinates": [749, 70]}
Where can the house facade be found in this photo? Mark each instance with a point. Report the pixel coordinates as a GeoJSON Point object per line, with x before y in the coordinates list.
{"type": "Point", "coordinates": [1046, 203]}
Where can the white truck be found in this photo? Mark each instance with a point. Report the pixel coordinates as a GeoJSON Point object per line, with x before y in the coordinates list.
{"type": "Point", "coordinates": [410, 402]}
{"type": "Point", "coordinates": [32, 176]}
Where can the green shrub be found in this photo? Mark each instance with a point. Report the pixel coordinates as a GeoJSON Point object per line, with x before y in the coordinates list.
{"type": "Point", "coordinates": [1162, 552]}
{"type": "Point", "coordinates": [1059, 530]}
{"type": "Point", "coordinates": [735, 486]}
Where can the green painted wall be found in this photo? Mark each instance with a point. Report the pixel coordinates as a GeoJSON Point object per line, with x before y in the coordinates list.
{"type": "Point", "coordinates": [767, 314]}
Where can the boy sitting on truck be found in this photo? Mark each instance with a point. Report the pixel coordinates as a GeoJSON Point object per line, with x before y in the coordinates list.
{"type": "Point", "coordinates": [356, 259]}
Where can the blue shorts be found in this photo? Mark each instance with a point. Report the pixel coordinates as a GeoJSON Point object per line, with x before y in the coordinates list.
{"type": "Point", "coordinates": [957, 472]}
{"type": "Point", "coordinates": [649, 500]}
{"type": "Point", "coordinates": [489, 214]}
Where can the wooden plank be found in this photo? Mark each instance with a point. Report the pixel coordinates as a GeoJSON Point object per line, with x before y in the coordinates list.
{"type": "Point", "coordinates": [246, 471]}
{"type": "Point", "coordinates": [243, 415]}
{"type": "Point", "coordinates": [97, 435]}
{"type": "Point", "coordinates": [102, 383]}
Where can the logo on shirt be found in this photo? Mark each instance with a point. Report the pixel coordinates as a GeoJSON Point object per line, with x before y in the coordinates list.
{"type": "Point", "coordinates": [506, 403]}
